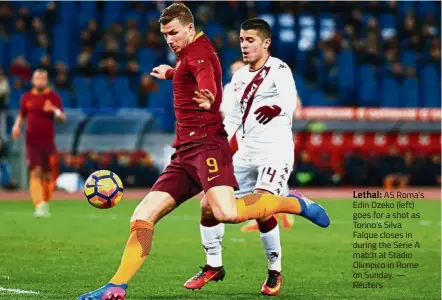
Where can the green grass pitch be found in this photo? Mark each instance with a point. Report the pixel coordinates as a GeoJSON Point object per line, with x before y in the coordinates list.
{"type": "Point", "coordinates": [79, 248]}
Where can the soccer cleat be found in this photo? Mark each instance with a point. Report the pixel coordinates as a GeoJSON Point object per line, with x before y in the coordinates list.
{"type": "Point", "coordinates": [311, 210]}
{"type": "Point", "coordinates": [287, 220]}
{"type": "Point", "coordinates": [108, 292]}
{"type": "Point", "coordinates": [251, 226]}
{"type": "Point", "coordinates": [42, 210]}
{"type": "Point", "coordinates": [272, 285]}
{"type": "Point", "coordinates": [203, 277]}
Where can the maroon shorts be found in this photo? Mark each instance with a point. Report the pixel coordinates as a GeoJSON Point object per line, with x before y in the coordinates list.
{"type": "Point", "coordinates": [198, 166]}
{"type": "Point", "coordinates": [39, 157]}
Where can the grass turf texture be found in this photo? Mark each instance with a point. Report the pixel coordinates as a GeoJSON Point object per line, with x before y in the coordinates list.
{"type": "Point", "coordinates": [79, 248]}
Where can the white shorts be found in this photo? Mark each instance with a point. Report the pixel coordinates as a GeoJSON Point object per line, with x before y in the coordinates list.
{"type": "Point", "coordinates": [269, 177]}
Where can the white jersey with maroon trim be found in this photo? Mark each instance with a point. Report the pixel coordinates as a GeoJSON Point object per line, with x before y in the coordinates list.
{"type": "Point", "coordinates": [271, 85]}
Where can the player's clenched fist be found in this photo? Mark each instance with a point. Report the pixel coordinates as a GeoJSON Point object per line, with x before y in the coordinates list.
{"type": "Point", "coordinates": [265, 114]}
{"type": "Point", "coordinates": [16, 132]}
{"type": "Point", "coordinates": [49, 107]}
{"type": "Point", "coordinates": [204, 98]}
{"type": "Point", "coordinates": [160, 71]}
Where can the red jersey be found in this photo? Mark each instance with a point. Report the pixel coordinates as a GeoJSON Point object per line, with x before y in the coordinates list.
{"type": "Point", "coordinates": [40, 129]}
{"type": "Point", "coordinates": [197, 67]}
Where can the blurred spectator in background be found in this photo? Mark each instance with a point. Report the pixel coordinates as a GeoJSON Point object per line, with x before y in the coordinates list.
{"type": "Point", "coordinates": [330, 72]}
{"type": "Point", "coordinates": [111, 49]}
{"type": "Point", "coordinates": [21, 69]}
{"type": "Point", "coordinates": [147, 86]}
{"type": "Point", "coordinates": [409, 28]}
{"type": "Point", "coordinates": [306, 173]}
{"type": "Point", "coordinates": [37, 26]}
{"type": "Point", "coordinates": [45, 64]}
{"type": "Point", "coordinates": [62, 82]}
{"type": "Point", "coordinates": [132, 70]}
{"type": "Point", "coordinates": [50, 16]}
{"type": "Point", "coordinates": [5, 169]}
{"type": "Point", "coordinates": [411, 168]}
{"type": "Point", "coordinates": [86, 40]}
{"type": "Point", "coordinates": [110, 67]}
{"type": "Point", "coordinates": [91, 163]}
{"type": "Point", "coordinates": [153, 40]}
{"type": "Point", "coordinates": [434, 56]}
{"type": "Point", "coordinates": [60, 67]}
{"type": "Point", "coordinates": [6, 16]}
{"type": "Point", "coordinates": [4, 100]}
{"type": "Point", "coordinates": [84, 65]}
{"type": "Point", "coordinates": [356, 169]}
{"type": "Point", "coordinates": [392, 170]}
{"type": "Point", "coordinates": [432, 170]}
{"type": "Point", "coordinates": [66, 164]}
{"type": "Point", "coordinates": [20, 25]}
{"type": "Point", "coordinates": [146, 172]}
{"type": "Point", "coordinates": [4, 93]}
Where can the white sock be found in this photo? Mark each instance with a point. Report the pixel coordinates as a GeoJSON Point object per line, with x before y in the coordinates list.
{"type": "Point", "coordinates": [212, 238]}
{"type": "Point", "coordinates": [272, 248]}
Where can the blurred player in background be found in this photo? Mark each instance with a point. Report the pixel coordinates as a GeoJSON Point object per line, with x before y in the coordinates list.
{"type": "Point", "coordinates": [39, 107]}
{"type": "Point", "coordinates": [228, 93]}
{"type": "Point", "coordinates": [202, 160]}
{"type": "Point", "coordinates": [260, 109]}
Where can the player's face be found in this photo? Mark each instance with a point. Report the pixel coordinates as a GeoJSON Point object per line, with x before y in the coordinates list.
{"type": "Point", "coordinates": [40, 80]}
{"type": "Point", "coordinates": [176, 34]}
{"type": "Point", "coordinates": [253, 47]}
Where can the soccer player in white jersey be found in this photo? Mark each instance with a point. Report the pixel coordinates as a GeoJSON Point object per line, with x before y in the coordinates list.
{"type": "Point", "coordinates": [229, 99]}
{"type": "Point", "coordinates": [260, 115]}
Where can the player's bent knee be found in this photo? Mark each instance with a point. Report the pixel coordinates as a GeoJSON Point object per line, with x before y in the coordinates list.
{"type": "Point", "coordinates": [223, 203]}
{"type": "Point", "coordinates": [153, 207]}
{"type": "Point", "coordinates": [206, 210]}
{"type": "Point", "coordinates": [36, 172]}
{"type": "Point", "coordinates": [225, 216]}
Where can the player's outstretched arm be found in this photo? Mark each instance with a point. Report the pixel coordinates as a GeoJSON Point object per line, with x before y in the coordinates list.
{"type": "Point", "coordinates": [163, 72]}
{"type": "Point", "coordinates": [203, 71]}
{"type": "Point", "coordinates": [204, 98]}
{"type": "Point", "coordinates": [16, 129]}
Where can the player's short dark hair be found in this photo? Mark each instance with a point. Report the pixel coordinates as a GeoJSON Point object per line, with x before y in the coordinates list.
{"type": "Point", "coordinates": [176, 11]}
{"type": "Point", "coordinates": [260, 25]}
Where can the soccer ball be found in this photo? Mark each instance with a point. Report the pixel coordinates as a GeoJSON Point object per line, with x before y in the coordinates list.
{"type": "Point", "coordinates": [103, 189]}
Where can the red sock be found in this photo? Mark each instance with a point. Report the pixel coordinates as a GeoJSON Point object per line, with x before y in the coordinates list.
{"type": "Point", "coordinates": [268, 225]}
{"type": "Point", "coordinates": [209, 222]}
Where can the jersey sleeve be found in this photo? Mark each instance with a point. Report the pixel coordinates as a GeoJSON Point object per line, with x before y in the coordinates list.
{"type": "Point", "coordinates": [23, 109]}
{"type": "Point", "coordinates": [204, 73]}
{"type": "Point", "coordinates": [169, 74]}
{"type": "Point", "coordinates": [233, 116]}
{"type": "Point", "coordinates": [285, 84]}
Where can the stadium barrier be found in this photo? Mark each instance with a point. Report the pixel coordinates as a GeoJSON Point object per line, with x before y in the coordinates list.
{"type": "Point", "coordinates": [315, 129]}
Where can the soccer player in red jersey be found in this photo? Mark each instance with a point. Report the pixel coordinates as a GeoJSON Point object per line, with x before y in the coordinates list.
{"type": "Point", "coordinates": [39, 107]}
{"type": "Point", "coordinates": [202, 160]}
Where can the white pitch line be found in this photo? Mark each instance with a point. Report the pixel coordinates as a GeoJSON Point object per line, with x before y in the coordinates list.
{"type": "Point", "coordinates": [238, 240]}
{"type": "Point", "coordinates": [17, 291]}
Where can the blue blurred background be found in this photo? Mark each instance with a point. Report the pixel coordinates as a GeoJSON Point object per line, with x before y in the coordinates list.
{"type": "Point", "coordinates": [99, 55]}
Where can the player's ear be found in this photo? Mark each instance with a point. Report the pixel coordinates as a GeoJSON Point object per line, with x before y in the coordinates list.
{"type": "Point", "coordinates": [191, 26]}
{"type": "Point", "coordinates": [267, 43]}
